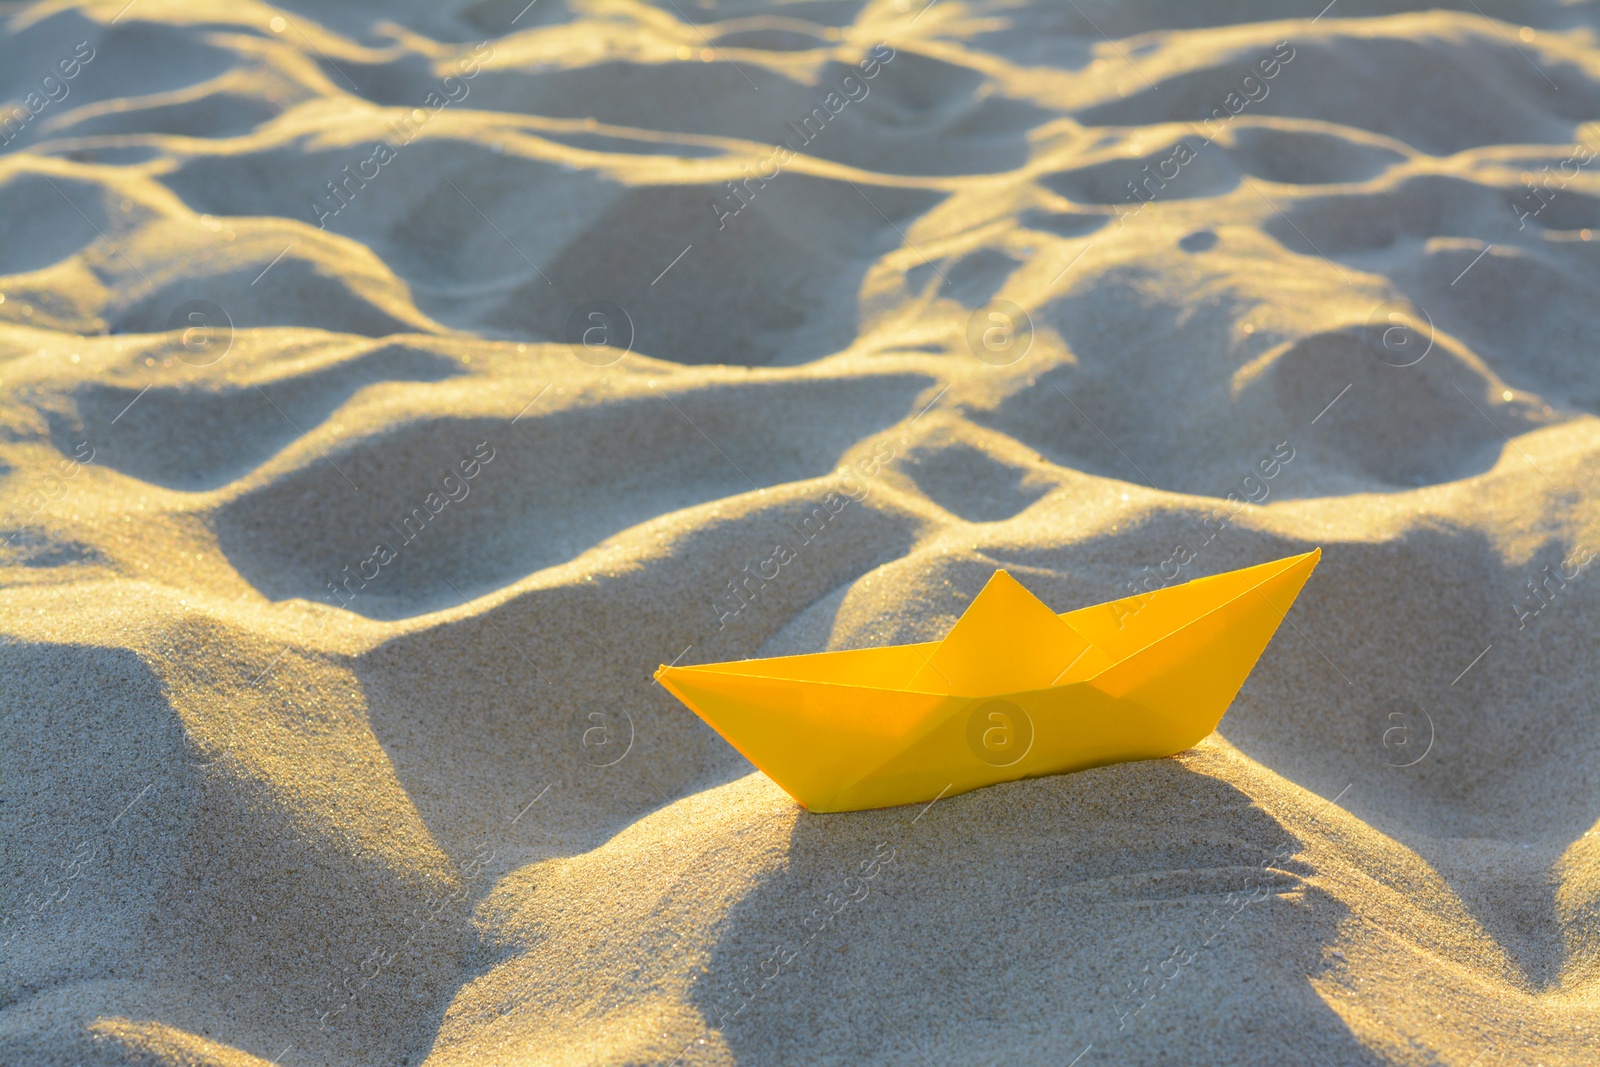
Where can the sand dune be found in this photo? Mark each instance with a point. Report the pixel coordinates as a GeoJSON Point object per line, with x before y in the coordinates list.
{"type": "Point", "coordinates": [386, 390]}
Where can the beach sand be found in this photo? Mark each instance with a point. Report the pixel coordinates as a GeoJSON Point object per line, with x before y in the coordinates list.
{"type": "Point", "coordinates": [386, 390]}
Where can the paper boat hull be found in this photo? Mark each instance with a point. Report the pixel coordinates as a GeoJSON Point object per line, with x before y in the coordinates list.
{"type": "Point", "coordinates": [834, 736]}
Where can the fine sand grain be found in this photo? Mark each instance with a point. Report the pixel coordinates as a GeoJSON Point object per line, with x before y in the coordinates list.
{"type": "Point", "coordinates": [333, 573]}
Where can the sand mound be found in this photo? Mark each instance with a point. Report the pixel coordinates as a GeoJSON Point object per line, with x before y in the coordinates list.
{"type": "Point", "coordinates": [386, 391]}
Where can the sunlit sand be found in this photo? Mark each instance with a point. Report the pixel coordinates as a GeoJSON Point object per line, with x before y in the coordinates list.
{"type": "Point", "coordinates": [387, 390]}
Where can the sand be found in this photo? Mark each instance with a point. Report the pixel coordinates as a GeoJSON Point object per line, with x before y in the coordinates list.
{"type": "Point", "coordinates": [387, 389]}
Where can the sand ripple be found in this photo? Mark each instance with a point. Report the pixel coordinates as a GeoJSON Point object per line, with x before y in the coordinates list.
{"type": "Point", "coordinates": [384, 393]}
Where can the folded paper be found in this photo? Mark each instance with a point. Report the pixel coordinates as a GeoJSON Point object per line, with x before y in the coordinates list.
{"type": "Point", "coordinates": [1012, 691]}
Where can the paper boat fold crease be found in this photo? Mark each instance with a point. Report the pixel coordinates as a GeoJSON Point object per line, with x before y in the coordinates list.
{"type": "Point", "coordinates": [1013, 691]}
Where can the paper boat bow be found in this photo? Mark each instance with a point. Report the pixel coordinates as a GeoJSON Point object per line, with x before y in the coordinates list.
{"type": "Point", "coordinates": [1013, 691]}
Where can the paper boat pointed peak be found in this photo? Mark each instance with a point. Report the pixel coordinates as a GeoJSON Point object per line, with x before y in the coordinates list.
{"type": "Point", "coordinates": [1006, 641]}
{"type": "Point", "coordinates": [1012, 691]}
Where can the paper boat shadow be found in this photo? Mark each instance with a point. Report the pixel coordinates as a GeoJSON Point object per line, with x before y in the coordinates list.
{"type": "Point", "coordinates": [1079, 878]}
{"type": "Point", "coordinates": [1013, 691]}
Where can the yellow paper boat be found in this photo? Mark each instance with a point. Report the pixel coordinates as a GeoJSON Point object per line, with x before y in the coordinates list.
{"type": "Point", "coordinates": [1013, 691]}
